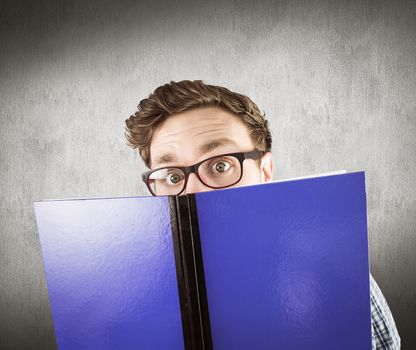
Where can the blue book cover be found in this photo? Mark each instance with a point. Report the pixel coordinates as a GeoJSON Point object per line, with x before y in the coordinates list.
{"type": "Point", "coordinates": [271, 266]}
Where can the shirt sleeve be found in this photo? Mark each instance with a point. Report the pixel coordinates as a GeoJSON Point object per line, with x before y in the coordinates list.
{"type": "Point", "coordinates": [383, 328]}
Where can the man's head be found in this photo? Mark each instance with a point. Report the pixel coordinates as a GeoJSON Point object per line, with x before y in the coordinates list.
{"type": "Point", "coordinates": [186, 122]}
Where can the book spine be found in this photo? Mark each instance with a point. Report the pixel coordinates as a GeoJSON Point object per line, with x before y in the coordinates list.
{"type": "Point", "coordinates": [190, 273]}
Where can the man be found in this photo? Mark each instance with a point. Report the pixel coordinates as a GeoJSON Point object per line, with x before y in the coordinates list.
{"type": "Point", "coordinates": [188, 133]}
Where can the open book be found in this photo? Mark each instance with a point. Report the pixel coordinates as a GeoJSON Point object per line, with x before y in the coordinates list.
{"type": "Point", "coordinates": [281, 265]}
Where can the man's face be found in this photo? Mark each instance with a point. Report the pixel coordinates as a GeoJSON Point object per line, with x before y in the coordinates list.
{"type": "Point", "coordinates": [194, 135]}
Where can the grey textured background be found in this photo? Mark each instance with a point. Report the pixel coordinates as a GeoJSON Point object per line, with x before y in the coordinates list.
{"type": "Point", "coordinates": [337, 80]}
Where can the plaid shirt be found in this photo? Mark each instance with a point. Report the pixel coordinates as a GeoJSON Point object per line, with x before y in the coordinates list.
{"type": "Point", "coordinates": [383, 328]}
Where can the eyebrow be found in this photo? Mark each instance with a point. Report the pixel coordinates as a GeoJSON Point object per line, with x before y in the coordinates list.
{"type": "Point", "coordinates": [166, 158]}
{"type": "Point", "coordinates": [203, 149]}
{"type": "Point", "coordinates": [214, 144]}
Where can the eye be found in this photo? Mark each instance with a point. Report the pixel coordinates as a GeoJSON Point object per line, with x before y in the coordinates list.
{"type": "Point", "coordinates": [220, 166]}
{"type": "Point", "coordinates": [174, 178]}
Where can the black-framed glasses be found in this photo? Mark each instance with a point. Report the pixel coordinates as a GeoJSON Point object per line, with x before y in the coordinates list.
{"type": "Point", "coordinates": [216, 172]}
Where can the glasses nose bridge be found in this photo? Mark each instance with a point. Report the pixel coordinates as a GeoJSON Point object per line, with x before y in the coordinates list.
{"type": "Point", "coordinates": [192, 169]}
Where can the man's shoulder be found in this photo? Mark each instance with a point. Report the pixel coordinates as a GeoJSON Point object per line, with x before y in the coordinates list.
{"type": "Point", "coordinates": [384, 330]}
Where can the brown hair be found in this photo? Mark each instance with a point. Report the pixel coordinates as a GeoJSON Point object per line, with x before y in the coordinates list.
{"type": "Point", "coordinates": [180, 96]}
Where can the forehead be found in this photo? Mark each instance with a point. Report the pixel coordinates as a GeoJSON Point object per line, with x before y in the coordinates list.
{"type": "Point", "coordinates": [187, 137]}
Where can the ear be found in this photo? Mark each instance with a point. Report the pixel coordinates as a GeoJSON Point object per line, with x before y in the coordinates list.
{"type": "Point", "coordinates": [266, 167]}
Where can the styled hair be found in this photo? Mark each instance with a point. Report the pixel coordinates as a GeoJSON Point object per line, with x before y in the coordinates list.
{"type": "Point", "coordinates": [176, 97]}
